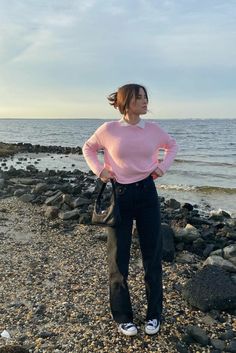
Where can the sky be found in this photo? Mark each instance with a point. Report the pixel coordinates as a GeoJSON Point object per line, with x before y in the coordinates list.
{"type": "Point", "coordinates": [62, 58]}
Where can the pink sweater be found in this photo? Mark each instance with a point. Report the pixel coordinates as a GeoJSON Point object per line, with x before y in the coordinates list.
{"type": "Point", "coordinates": [130, 151]}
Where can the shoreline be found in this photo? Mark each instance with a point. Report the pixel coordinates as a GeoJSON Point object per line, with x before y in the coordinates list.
{"type": "Point", "coordinates": [20, 155]}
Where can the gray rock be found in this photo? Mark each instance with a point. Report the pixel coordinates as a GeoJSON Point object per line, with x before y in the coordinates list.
{"type": "Point", "coordinates": [231, 222]}
{"type": "Point", "coordinates": [40, 187]}
{"type": "Point", "coordinates": [19, 192]}
{"type": "Point", "coordinates": [168, 253]}
{"type": "Point", "coordinates": [218, 252]}
{"type": "Point", "coordinates": [80, 201]}
{"type": "Point", "coordinates": [2, 182]}
{"type": "Point", "coordinates": [198, 245]}
{"type": "Point", "coordinates": [85, 218]}
{"type": "Point", "coordinates": [55, 199]}
{"type": "Point", "coordinates": [187, 234]}
{"type": "Point", "coordinates": [51, 212]}
{"type": "Point", "coordinates": [233, 260]}
{"type": "Point", "coordinates": [233, 277]}
{"type": "Point", "coordinates": [198, 334]}
{"type": "Point", "coordinates": [65, 207]}
{"type": "Point", "coordinates": [211, 288]}
{"type": "Point", "coordinates": [229, 253]}
{"type": "Point", "coordinates": [219, 215]}
{"type": "Point", "coordinates": [219, 261]}
{"type": "Point", "coordinates": [187, 206]}
{"type": "Point", "coordinates": [26, 181]}
{"type": "Point", "coordinates": [186, 258]}
{"type": "Point", "coordinates": [27, 197]}
{"type": "Point", "coordinates": [208, 250]}
{"type": "Point", "coordinates": [32, 168]}
{"type": "Point", "coordinates": [228, 335]}
{"type": "Point", "coordinates": [172, 203]}
{"type": "Point", "coordinates": [68, 200]}
{"type": "Point", "coordinates": [218, 344]}
{"type": "Point", "coordinates": [49, 193]}
{"type": "Point", "coordinates": [209, 320]}
{"type": "Point", "coordinates": [231, 347]}
{"type": "Point", "coordinates": [74, 214]}
{"type": "Point", "coordinates": [195, 221]}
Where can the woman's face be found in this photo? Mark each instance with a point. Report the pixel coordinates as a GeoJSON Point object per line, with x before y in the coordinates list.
{"type": "Point", "coordinates": [138, 105]}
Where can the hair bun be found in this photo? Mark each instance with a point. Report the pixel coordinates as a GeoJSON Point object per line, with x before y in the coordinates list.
{"type": "Point", "coordinates": [112, 98]}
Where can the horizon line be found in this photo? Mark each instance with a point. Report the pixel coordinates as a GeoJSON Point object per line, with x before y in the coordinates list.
{"type": "Point", "coordinates": [113, 118]}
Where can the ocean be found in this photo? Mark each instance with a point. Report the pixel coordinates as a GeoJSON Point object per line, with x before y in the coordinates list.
{"type": "Point", "coordinates": [204, 172]}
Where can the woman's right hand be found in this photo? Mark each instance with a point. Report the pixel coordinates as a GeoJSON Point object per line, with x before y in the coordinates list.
{"type": "Point", "coordinates": [106, 175]}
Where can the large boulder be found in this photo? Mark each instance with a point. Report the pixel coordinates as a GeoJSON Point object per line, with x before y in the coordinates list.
{"type": "Point", "coordinates": [211, 288]}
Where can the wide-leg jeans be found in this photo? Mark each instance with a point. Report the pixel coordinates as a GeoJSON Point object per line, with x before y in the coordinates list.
{"type": "Point", "coordinates": [137, 201]}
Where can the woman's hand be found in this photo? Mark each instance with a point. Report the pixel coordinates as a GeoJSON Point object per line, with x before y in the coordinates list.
{"type": "Point", "coordinates": [106, 175]}
{"type": "Point", "coordinates": [157, 173]}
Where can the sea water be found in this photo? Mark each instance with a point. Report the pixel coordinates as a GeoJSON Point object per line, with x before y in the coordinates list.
{"type": "Point", "coordinates": [204, 171]}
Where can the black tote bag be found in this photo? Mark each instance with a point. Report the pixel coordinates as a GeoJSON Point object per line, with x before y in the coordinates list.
{"type": "Point", "coordinates": [110, 216]}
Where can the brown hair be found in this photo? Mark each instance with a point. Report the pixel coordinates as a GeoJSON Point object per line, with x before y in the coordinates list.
{"type": "Point", "coordinates": [121, 99]}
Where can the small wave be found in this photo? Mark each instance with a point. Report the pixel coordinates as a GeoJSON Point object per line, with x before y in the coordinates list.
{"type": "Point", "coordinates": [218, 164]}
{"type": "Point", "coordinates": [204, 188]}
{"type": "Point", "coordinates": [211, 189]}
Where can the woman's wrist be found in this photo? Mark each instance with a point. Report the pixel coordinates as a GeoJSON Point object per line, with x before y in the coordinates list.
{"type": "Point", "coordinates": [159, 172]}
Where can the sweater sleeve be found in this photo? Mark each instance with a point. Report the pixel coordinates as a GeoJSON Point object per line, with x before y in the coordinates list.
{"type": "Point", "coordinates": [90, 149]}
{"type": "Point", "coordinates": [170, 147]}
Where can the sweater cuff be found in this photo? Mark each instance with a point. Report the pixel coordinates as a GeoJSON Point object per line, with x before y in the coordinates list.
{"type": "Point", "coordinates": [162, 168]}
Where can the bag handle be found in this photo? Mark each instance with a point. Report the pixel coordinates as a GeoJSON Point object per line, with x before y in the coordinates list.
{"type": "Point", "coordinates": [103, 188]}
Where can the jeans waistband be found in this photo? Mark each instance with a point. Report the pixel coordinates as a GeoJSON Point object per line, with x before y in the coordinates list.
{"type": "Point", "coordinates": [137, 183]}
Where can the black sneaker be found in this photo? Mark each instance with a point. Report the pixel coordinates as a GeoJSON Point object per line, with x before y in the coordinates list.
{"type": "Point", "coordinates": [152, 327]}
{"type": "Point", "coordinates": [128, 329]}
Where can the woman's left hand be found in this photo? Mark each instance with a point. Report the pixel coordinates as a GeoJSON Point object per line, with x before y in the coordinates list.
{"type": "Point", "coordinates": [157, 173]}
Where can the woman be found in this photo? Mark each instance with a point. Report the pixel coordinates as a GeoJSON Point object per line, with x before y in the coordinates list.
{"type": "Point", "coordinates": [131, 148]}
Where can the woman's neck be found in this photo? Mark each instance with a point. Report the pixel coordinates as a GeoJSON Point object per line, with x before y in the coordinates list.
{"type": "Point", "coordinates": [132, 119]}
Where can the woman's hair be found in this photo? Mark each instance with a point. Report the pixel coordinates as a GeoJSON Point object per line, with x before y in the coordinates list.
{"type": "Point", "coordinates": [121, 99]}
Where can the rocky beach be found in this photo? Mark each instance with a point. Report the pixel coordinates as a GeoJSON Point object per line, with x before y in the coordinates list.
{"type": "Point", "coordinates": [54, 280]}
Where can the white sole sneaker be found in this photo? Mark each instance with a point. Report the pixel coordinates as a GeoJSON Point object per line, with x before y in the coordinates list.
{"type": "Point", "coordinates": [152, 330]}
{"type": "Point", "coordinates": [128, 329]}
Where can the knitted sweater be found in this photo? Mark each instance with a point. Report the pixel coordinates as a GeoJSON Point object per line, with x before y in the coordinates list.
{"type": "Point", "coordinates": [130, 151]}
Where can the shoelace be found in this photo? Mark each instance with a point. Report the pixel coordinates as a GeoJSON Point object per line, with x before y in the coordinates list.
{"type": "Point", "coordinates": [128, 325]}
{"type": "Point", "coordinates": [152, 323]}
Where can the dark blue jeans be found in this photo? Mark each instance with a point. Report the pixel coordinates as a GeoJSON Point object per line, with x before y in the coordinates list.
{"type": "Point", "coordinates": [136, 201]}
